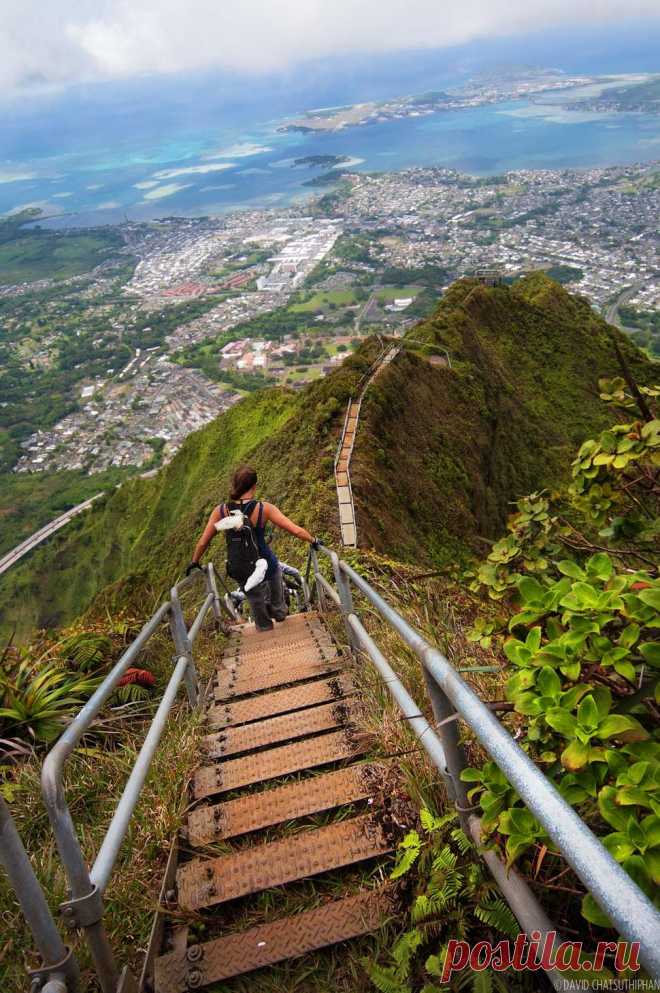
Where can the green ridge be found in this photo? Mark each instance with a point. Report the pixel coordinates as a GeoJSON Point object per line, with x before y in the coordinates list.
{"type": "Point", "coordinates": [440, 453]}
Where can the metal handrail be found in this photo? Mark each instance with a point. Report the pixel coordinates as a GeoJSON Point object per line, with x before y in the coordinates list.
{"type": "Point", "coordinates": [84, 909]}
{"type": "Point", "coordinates": [633, 914]}
{"type": "Point", "coordinates": [58, 963]}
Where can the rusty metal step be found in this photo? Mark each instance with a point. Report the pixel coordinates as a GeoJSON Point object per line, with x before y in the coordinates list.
{"type": "Point", "coordinates": [278, 656]}
{"type": "Point", "coordinates": [286, 727]}
{"type": "Point", "coordinates": [281, 761]}
{"type": "Point", "coordinates": [248, 630]}
{"type": "Point", "coordinates": [241, 656]}
{"type": "Point", "coordinates": [267, 944]}
{"type": "Point", "coordinates": [219, 821]}
{"type": "Point", "coordinates": [208, 882]}
{"type": "Point", "coordinates": [282, 632]}
{"type": "Point", "coordinates": [231, 685]}
{"type": "Point", "coordinates": [225, 715]}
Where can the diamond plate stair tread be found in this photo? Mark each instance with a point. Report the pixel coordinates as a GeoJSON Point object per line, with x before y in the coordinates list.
{"type": "Point", "coordinates": [275, 762]}
{"type": "Point", "coordinates": [279, 702]}
{"type": "Point", "coordinates": [227, 688]}
{"type": "Point", "coordinates": [276, 650]}
{"type": "Point", "coordinates": [286, 727]}
{"type": "Point", "coordinates": [208, 882]}
{"type": "Point", "coordinates": [268, 944]}
{"type": "Point", "coordinates": [283, 631]}
{"type": "Point", "coordinates": [284, 803]}
{"type": "Point", "coordinates": [275, 658]}
{"type": "Point", "coordinates": [293, 620]}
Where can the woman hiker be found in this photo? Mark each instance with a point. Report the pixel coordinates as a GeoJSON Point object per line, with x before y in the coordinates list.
{"type": "Point", "coordinates": [247, 549]}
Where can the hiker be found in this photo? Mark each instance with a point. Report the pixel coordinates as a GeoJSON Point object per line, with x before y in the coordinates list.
{"type": "Point", "coordinates": [250, 560]}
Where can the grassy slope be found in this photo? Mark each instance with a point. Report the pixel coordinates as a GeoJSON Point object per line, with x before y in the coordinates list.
{"type": "Point", "coordinates": [141, 536]}
{"type": "Point", "coordinates": [440, 453]}
{"type": "Point", "coordinates": [30, 500]}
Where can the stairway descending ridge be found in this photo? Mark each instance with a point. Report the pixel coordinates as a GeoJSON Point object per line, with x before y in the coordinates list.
{"type": "Point", "coordinates": [282, 747]}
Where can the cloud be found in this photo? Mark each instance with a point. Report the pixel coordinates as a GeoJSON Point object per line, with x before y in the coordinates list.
{"type": "Point", "coordinates": [68, 40]}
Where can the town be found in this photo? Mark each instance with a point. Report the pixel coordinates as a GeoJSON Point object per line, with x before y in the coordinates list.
{"type": "Point", "coordinates": [212, 308]}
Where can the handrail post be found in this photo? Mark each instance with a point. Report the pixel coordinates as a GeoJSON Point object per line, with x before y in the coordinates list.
{"type": "Point", "coordinates": [212, 588]}
{"type": "Point", "coordinates": [320, 595]}
{"type": "Point", "coordinates": [346, 598]}
{"type": "Point", "coordinates": [58, 963]}
{"type": "Point", "coordinates": [183, 647]}
{"type": "Point", "coordinates": [446, 728]}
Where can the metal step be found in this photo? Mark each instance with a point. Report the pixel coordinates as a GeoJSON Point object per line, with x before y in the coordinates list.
{"type": "Point", "coordinates": [267, 944]}
{"type": "Point", "coordinates": [225, 715]}
{"type": "Point", "coordinates": [286, 727]}
{"type": "Point", "coordinates": [206, 883]}
{"type": "Point", "coordinates": [248, 631]}
{"type": "Point", "coordinates": [232, 685]}
{"type": "Point", "coordinates": [284, 803]}
{"type": "Point", "coordinates": [281, 761]}
{"type": "Point", "coordinates": [279, 655]}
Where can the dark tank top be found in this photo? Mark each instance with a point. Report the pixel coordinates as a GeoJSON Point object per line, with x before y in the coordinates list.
{"type": "Point", "coordinates": [247, 507]}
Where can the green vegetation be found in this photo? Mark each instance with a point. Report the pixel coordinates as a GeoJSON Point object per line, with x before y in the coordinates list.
{"type": "Point", "coordinates": [441, 452]}
{"type": "Point", "coordinates": [565, 274]}
{"type": "Point", "coordinates": [320, 301]}
{"type": "Point", "coordinates": [648, 323]}
{"type": "Point", "coordinates": [47, 684]}
{"type": "Point", "coordinates": [578, 607]}
{"type": "Point", "coordinates": [565, 606]}
{"type": "Point", "coordinates": [521, 394]}
{"type": "Point", "coordinates": [30, 500]}
{"type": "Point", "coordinates": [454, 895]}
{"type": "Point", "coordinates": [140, 535]}
{"type": "Point", "coordinates": [26, 256]}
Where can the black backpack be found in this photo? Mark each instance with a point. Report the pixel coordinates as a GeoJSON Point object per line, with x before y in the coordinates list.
{"type": "Point", "coordinates": [242, 547]}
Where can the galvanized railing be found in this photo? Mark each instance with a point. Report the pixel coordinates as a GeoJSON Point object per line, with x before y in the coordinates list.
{"type": "Point", "coordinates": [58, 972]}
{"type": "Point", "coordinates": [84, 909]}
{"type": "Point", "coordinates": [452, 699]}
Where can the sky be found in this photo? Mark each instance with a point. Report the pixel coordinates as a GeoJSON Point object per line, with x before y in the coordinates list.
{"type": "Point", "coordinates": [65, 42]}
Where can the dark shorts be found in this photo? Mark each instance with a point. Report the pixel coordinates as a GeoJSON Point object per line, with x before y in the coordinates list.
{"type": "Point", "coordinates": [267, 602]}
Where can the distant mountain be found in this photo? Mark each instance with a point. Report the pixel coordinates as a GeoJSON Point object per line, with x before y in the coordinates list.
{"type": "Point", "coordinates": [441, 452]}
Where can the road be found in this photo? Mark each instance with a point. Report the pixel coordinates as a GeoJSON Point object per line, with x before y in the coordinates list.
{"type": "Point", "coordinates": [612, 312]}
{"type": "Point", "coordinates": [11, 558]}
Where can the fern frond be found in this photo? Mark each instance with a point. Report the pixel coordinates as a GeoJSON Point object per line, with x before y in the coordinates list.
{"type": "Point", "coordinates": [462, 841]}
{"type": "Point", "coordinates": [385, 979]}
{"type": "Point", "coordinates": [497, 914]}
{"type": "Point", "coordinates": [431, 823]}
{"type": "Point", "coordinates": [445, 860]}
{"type": "Point", "coordinates": [404, 950]}
{"type": "Point", "coordinates": [479, 982]}
{"type": "Point", "coordinates": [130, 693]}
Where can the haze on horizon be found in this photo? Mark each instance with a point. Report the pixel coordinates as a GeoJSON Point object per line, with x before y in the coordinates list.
{"type": "Point", "coordinates": [72, 41]}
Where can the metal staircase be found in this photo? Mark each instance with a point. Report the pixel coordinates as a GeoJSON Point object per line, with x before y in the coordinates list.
{"type": "Point", "coordinates": [346, 505]}
{"type": "Point", "coordinates": [291, 686]}
{"type": "Point", "coordinates": [283, 744]}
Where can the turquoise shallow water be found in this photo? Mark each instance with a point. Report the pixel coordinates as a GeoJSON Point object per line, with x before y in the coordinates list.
{"type": "Point", "coordinates": [135, 165]}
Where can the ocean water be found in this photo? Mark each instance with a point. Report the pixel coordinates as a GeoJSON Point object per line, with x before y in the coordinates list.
{"type": "Point", "coordinates": [111, 155]}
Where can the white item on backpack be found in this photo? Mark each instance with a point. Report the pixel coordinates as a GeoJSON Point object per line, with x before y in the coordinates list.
{"type": "Point", "coordinates": [257, 576]}
{"type": "Point", "coordinates": [233, 521]}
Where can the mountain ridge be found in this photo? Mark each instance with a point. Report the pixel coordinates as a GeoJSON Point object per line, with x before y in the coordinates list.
{"type": "Point", "coordinates": [440, 454]}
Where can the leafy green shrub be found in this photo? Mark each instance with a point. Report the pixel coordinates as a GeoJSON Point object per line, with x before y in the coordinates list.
{"type": "Point", "coordinates": [39, 697]}
{"type": "Point", "coordinates": [454, 898]}
{"type": "Point", "coordinates": [581, 644]}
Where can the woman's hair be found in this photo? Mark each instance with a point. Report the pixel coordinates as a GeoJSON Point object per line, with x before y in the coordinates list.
{"type": "Point", "coordinates": [244, 478]}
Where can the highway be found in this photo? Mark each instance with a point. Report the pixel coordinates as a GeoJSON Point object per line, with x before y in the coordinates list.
{"type": "Point", "coordinates": [11, 558]}
{"type": "Point", "coordinates": [612, 312]}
